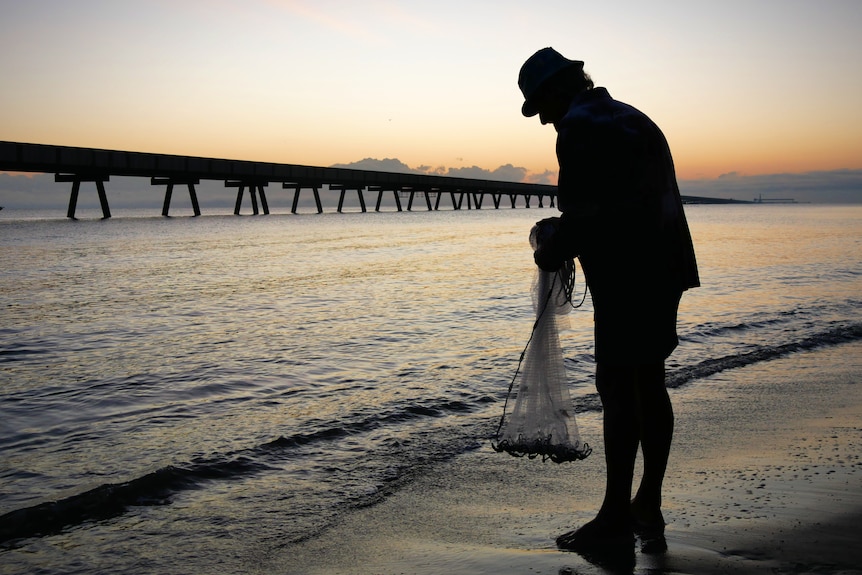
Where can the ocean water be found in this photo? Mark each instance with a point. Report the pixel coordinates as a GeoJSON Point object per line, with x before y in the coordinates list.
{"type": "Point", "coordinates": [186, 395]}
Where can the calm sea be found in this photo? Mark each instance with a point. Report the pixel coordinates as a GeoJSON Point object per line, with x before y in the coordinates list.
{"type": "Point", "coordinates": [187, 394]}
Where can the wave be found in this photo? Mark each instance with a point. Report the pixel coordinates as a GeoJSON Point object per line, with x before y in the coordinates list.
{"type": "Point", "coordinates": [111, 500]}
{"type": "Point", "coordinates": [834, 336]}
{"type": "Point", "coordinates": [590, 402]}
{"type": "Point", "coordinates": [158, 488]}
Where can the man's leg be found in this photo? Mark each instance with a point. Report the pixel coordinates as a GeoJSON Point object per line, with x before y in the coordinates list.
{"type": "Point", "coordinates": [655, 419]}
{"type": "Point", "coordinates": [612, 525]}
{"type": "Point", "coordinates": [616, 386]}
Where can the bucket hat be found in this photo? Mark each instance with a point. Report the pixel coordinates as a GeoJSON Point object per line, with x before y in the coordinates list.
{"type": "Point", "coordinates": [536, 71]}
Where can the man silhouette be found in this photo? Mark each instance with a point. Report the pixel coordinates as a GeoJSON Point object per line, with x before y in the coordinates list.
{"type": "Point", "coordinates": [622, 217]}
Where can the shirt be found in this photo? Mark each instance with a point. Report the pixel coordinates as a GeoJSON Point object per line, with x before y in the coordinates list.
{"type": "Point", "coordinates": [622, 214]}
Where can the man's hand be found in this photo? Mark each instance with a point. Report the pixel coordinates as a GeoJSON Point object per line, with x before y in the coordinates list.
{"type": "Point", "coordinates": [548, 255]}
{"type": "Point", "coordinates": [548, 258]}
{"type": "Point", "coordinates": [552, 247]}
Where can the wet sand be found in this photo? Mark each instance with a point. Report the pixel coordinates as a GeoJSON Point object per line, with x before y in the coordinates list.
{"type": "Point", "coordinates": [765, 477]}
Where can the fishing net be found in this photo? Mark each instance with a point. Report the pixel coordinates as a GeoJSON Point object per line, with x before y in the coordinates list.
{"type": "Point", "coordinates": [542, 422]}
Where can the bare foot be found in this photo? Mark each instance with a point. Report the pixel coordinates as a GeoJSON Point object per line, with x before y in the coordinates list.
{"type": "Point", "coordinates": [648, 524]}
{"type": "Point", "coordinates": [598, 533]}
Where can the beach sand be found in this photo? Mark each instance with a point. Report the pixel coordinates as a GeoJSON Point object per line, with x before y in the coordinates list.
{"type": "Point", "coordinates": [765, 477]}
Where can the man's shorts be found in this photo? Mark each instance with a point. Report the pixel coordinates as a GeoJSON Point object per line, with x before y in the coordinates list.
{"type": "Point", "coordinates": [635, 330]}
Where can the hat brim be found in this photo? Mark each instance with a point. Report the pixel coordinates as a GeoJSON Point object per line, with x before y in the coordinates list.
{"type": "Point", "coordinates": [531, 104]}
{"type": "Point", "coordinates": [529, 108]}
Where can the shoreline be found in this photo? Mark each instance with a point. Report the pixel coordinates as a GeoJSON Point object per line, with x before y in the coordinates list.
{"type": "Point", "coordinates": [765, 476]}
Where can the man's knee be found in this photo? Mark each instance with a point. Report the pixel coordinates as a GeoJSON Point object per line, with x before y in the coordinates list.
{"type": "Point", "coordinates": [614, 382]}
{"type": "Point", "coordinates": [651, 392]}
{"type": "Point", "coordinates": [650, 376]}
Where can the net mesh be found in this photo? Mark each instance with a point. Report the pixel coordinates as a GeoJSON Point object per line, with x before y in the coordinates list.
{"type": "Point", "coordinates": [542, 421]}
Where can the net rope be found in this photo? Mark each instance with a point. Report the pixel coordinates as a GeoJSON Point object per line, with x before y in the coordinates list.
{"type": "Point", "coordinates": [542, 421]}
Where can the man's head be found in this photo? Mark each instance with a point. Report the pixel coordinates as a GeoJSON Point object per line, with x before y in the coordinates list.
{"type": "Point", "coordinates": [548, 82]}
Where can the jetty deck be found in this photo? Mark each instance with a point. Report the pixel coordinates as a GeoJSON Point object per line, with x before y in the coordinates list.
{"type": "Point", "coordinates": [77, 165]}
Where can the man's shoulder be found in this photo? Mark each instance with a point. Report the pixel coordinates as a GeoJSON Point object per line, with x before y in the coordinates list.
{"type": "Point", "coordinates": [592, 106]}
{"type": "Point", "coordinates": [600, 99]}
{"type": "Point", "coordinates": [597, 110]}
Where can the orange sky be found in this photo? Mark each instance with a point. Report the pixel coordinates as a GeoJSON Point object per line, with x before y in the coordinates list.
{"type": "Point", "coordinates": [752, 87]}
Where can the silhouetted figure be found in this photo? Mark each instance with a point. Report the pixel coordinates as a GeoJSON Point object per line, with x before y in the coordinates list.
{"type": "Point", "coordinates": [622, 217]}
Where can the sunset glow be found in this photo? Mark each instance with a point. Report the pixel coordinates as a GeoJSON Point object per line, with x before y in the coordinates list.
{"type": "Point", "coordinates": [757, 87]}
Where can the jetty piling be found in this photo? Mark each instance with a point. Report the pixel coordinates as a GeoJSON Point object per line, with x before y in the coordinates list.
{"type": "Point", "coordinates": [255, 189]}
{"type": "Point", "coordinates": [297, 187]}
{"type": "Point", "coordinates": [76, 180]}
{"type": "Point", "coordinates": [171, 182]}
{"type": "Point", "coordinates": [342, 188]}
{"type": "Point", "coordinates": [380, 190]}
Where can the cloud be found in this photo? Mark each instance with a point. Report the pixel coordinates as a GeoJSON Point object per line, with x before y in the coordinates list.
{"type": "Point", "coordinates": [506, 173]}
{"type": "Point", "coordinates": [548, 178]}
{"type": "Point", "coordinates": [384, 165]}
{"type": "Point", "coordinates": [833, 186]}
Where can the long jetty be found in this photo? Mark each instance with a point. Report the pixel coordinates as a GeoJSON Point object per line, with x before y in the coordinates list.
{"type": "Point", "coordinates": [78, 165]}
